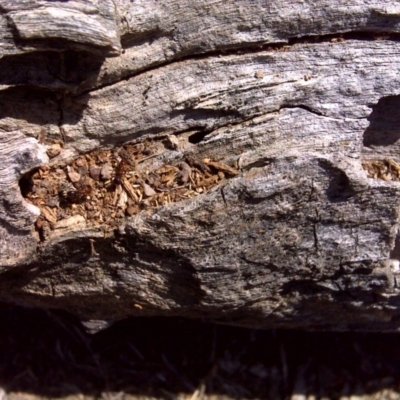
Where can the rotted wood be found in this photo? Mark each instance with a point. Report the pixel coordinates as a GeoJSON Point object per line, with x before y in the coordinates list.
{"type": "Point", "coordinates": [248, 174]}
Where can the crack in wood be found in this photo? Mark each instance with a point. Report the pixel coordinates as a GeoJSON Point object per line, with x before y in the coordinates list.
{"type": "Point", "coordinates": [255, 48]}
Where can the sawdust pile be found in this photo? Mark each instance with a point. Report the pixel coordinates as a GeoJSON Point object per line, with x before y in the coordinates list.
{"type": "Point", "coordinates": [105, 186]}
{"type": "Point", "coordinates": [387, 170]}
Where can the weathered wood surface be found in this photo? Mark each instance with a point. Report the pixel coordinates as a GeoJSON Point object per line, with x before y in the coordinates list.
{"type": "Point", "coordinates": [296, 95]}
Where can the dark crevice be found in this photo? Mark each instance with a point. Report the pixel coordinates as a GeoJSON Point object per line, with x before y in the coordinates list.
{"type": "Point", "coordinates": [315, 237]}
{"type": "Point", "coordinates": [38, 99]}
{"type": "Point", "coordinates": [223, 196]}
{"type": "Point", "coordinates": [363, 35]}
{"type": "Point", "coordinates": [61, 120]}
{"type": "Point", "coordinates": [56, 71]}
{"type": "Point", "coordinates": [197, 117]}
{"type": "Point", "coordinates": [197, 137]}
{"type": "Point", "coordinates": [395, 253]}
{"type": "Point", "coordinates": [384, 128]}
{"type": "Point", "coordinates": [26, 183]}
{"type": "Point", "coordinates": [362, 271]}
{"type": "Point", "coordinates": [72, 67]}
{"type": "Point", "coordinates": [303, 107]}
{"type": "Point", "coordinates": [310, 110]}
{"type": "Point", "coordinates": [304, 287]}
{"type": "Point", "coordinates": [260, 163]}
{"type": "Point", "coordinates": [340, 189]}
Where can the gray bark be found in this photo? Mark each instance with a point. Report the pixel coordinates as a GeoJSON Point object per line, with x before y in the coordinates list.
{"type": "Point", "coordinates": [302, 99]}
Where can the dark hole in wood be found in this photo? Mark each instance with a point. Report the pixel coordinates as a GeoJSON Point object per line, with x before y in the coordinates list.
{"type": "Point", "coordinates": [362, 271]}
{"type": "Point", "coordinates": [339, 188]}
{"type": "Point", "coordinates": [384, 128]}
{"type": "Point", "coordinates": [26, 183]}
{"type": "Point", "coordinates": [395, 253]}
{"type": "Point", "coordinates": [197, 137]}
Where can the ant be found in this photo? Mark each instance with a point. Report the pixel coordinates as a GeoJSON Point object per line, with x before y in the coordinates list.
{"type": "Point", "coordinates": [77, 196]}
{"type": "Point", "coordinates": [120, 171]}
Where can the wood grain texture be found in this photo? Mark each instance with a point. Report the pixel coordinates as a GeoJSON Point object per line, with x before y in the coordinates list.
{"type": "Point", "coordinates": [83, 25]}
{"type": "Point", "coordinates": [296, 95]}
{"type": "Point", "coordinates": [18, 155]}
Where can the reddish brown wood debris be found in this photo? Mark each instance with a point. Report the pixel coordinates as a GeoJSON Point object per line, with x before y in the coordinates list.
{"type": "Point", "coordinates": [105, 186]}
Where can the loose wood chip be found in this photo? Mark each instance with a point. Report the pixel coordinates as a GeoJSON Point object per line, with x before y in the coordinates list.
{"type": "Point", "coordinates": [173, 142]}
{"type": "Point", "coordinates": [129, 189]}
{"type": "Point", "coordinates": [148, 190]}
{"type": "Point", "coordinates": [106, 171]}
{"type": "Point", "coordinates": [194, 162]}
{"type": "Point", "coordinates": [184, 173]}
{"type": "Point", "coordinates": [49, 214]}
{"type": "Point", "coordinates": [73, 175]}
{"type": "Point", "coordinates": [122, 200]}
{"type": "Point", "coordinates": [394, 165]}
{"type": "Point", "coordinates": [69, 222]}
{"type": "Point", "coordinates": [117, 192]}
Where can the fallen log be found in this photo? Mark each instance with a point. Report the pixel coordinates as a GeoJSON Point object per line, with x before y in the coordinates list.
{"type": "Point", "coordinates": [248, 174]}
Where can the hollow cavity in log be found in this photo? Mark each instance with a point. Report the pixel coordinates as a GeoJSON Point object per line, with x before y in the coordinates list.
{"type": "Point", "coordinates": [105, 186]}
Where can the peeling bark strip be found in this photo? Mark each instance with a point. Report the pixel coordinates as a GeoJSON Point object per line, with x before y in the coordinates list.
{"type": "Point", "coordinates": [296, 103]}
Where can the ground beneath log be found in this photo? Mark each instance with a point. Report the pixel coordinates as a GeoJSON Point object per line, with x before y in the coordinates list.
{"type": "Point", "coordinates": [48, 355]}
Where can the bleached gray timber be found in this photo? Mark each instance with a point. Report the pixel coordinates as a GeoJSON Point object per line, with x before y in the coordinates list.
{"type": "Point", "coordinates": [296, 94]}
